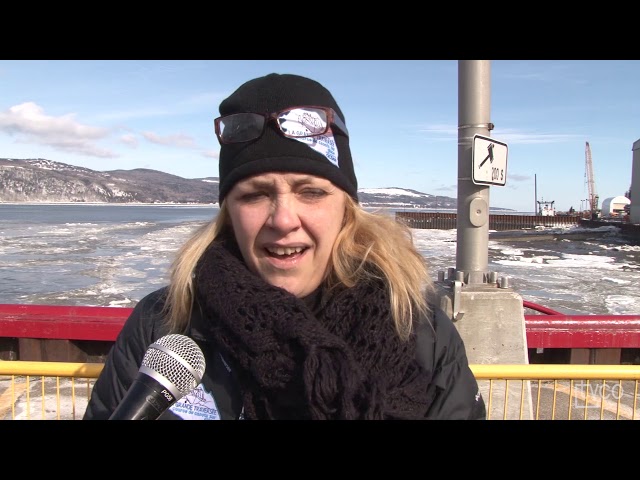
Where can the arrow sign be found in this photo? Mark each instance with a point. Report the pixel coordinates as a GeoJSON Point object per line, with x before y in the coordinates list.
{"type": "Point", "coordinates": [488, 157]}
{"type": "Point", "coordinates": [489, 161]}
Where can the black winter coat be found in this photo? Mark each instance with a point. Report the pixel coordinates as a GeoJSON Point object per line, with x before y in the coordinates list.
{"type": "Point", "coordinates": [441, 350]}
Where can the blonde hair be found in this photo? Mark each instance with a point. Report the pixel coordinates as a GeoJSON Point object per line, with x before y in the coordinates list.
{"type": "Point", "coordinates": [370, 245]}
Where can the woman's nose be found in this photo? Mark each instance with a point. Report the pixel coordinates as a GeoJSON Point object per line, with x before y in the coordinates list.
{"type": "Point", "coordinates": [284, 214]}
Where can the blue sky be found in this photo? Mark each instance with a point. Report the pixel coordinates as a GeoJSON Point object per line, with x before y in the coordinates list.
{"type": "Point", "coordinates": [402, 117]}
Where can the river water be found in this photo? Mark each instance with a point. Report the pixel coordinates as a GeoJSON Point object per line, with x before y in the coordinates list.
{"type": "Point", "coordinates": [113, 255]}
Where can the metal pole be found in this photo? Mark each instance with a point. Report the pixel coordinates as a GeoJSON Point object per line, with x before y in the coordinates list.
{"type": "Point", "coordinates": [474, 98]}
{"type": "Point", "coordinates": [535, 190]}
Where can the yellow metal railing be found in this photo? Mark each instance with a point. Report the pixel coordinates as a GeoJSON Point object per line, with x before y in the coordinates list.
{"type": "Point", "coordinates": [559, 392]}
{"type": "Point", "coordinates": [45, 390]}
{"type": "Point", "coordinates": [60, 391]}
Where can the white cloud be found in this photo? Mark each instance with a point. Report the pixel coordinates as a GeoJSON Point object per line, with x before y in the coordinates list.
{"type": "Point", "coordinates": [129, 140]}
{"type": "Point", "coordinates": [211, 154]}
{"type": "Point", "coordinates": [510, 136]}
{"type": "Point", "coordinates": [29, 124]}
{"type": "Point", "coordinates": [178, 140]}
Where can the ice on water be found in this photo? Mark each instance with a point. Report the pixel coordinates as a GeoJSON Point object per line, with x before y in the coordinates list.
{"type": "Point", "coordinates": [598, 276]}
{"type": "Point", "coordinates": [116, 263]}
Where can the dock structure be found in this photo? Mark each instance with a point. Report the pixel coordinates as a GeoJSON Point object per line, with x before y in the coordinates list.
{"type": "Point", "coordinates": [497, 222]}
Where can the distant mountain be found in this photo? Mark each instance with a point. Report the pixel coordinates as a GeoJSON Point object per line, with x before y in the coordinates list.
{"type": "Point", "coordinates": [41, 180]}
{"type": "Point", "coordinates": [394, 197]}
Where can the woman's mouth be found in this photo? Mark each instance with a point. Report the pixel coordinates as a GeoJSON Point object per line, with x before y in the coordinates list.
{"type": "Point", "coordinates": [283, 251]}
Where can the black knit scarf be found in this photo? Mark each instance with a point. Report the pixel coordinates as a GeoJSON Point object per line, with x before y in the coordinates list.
{"type": "Point", "coordinates": [345, 362]}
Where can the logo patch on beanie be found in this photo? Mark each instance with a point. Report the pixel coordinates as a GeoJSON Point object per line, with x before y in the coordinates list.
{"type": "Point", "coordinates": [325, 145]}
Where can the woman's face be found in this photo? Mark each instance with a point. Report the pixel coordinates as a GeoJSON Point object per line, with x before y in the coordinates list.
{"type": "Point", "coordinates": [286, 225]}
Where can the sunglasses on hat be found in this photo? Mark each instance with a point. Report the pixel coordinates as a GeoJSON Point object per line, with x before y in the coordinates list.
{"type": "Point", "coordinates": [293, 122]}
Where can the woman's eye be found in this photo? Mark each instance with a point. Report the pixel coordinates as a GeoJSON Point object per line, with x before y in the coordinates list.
{"type": "Point", "coordinates": [313, 193]}
{"type": "Point", "coordinates": [250, 196]}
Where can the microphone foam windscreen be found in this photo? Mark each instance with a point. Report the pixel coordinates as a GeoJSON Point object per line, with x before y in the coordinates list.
{"type": "Point", "coordinates": [176, 359]}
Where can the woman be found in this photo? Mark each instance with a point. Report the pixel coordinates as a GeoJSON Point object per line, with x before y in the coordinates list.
{"type": "Point", "coordinates": [305, 305]}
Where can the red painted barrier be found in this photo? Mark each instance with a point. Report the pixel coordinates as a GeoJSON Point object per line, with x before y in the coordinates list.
{"type": "Point", "coordinates": [550, 329]}
{"type": "Point", "coordinates": [557, 330]}
{"type": "Point", "coordinates": [539, 308]}
{"type": "Point", "coordinates": [61, 322]}
{"type": "Point", "coordinates": [583, 331]}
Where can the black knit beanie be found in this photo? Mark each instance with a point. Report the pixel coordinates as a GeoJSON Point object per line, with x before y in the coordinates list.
{"type": "Point", "coordinates": [273, 152]}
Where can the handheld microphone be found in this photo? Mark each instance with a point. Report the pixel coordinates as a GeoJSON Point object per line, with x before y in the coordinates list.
{"type": "Point", "coordinates": [171, 368]}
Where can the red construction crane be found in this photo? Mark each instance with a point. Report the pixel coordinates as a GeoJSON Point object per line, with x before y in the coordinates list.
{"type": "Point", "coordinates": [593, 198]}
